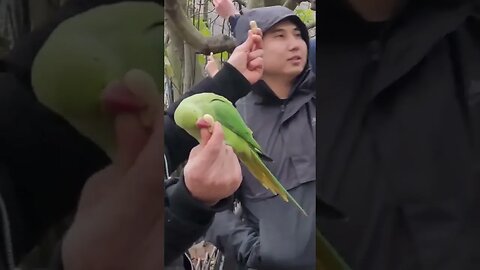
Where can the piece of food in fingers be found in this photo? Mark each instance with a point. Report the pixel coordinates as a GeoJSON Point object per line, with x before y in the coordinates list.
{"type": "Point", "coordinates": [253, 25]}
{"type": "Point", "coordinates": [210, 121]}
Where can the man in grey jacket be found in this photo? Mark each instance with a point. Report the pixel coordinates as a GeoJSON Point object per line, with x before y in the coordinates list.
{"type": "Point", "coordinates": [280, 110]}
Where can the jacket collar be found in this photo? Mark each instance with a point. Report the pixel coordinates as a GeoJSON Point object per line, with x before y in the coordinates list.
{"type": "Point", "coordinates": [304, 84]}
{"type": "Point", "coordinates": [421, 30]}
{"type": "Point", "coordinates": [402, 42]}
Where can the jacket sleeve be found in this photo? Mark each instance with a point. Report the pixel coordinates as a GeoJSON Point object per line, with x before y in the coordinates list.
{"type": "Point", "coordinates": [186, 219]}
{"type": "Point", "coordinates": [229, 83]}
{"type": "Point", "coordinates": [236, 237]}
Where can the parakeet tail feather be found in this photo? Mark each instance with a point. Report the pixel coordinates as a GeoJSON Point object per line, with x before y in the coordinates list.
{"type": "Point", "coordinates": [268, 180]}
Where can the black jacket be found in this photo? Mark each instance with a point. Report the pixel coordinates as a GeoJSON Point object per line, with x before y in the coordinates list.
{"type": "Point", "coordinates": [398, 121]}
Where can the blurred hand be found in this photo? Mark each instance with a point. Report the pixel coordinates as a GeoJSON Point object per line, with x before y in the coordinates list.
{"type": "Point", "coordinates": [119, 221]}
{"type": "Point", "coordinates": [213, 171]}
{"type": "Point", "coordinates": [224, 8]}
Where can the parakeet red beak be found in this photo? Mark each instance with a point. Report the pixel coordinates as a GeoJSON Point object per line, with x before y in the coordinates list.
{"type": "Point", "coordinates": [202, 123]}
{"type": "Point", "coordinates": [206, 122]}
{"type": "Point", "coordinates": [117, 98]}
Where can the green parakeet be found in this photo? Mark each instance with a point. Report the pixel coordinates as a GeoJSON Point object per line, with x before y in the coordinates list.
{"type": "Point", "coordinates": [237, 134]}
{"type": "Point", "coordinates": [94, 50]}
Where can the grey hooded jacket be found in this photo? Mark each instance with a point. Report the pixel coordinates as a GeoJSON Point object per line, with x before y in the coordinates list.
{"type": "Point", "coordinates": [274, 234]}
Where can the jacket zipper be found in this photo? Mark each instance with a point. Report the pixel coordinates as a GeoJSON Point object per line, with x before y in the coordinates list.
{"type": "Point", "coordinates": [283, 106]}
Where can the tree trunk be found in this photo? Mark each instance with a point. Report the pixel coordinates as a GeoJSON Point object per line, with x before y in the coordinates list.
{"type": "Point", "coordinates": [189, 67]}
{"type": "Point", "coordinates": [188, 32]}
{"type": "Point", "coordinates": [176, 57]}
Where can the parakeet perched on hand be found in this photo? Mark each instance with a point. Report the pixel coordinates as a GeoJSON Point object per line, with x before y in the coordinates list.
{"type": "Point", "coordinates": [93, 51]}
{"type": "Point", "coordinates": [200, 110]}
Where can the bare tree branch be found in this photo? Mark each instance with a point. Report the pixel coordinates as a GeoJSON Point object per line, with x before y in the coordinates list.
{"type": "Point", "coordinates": [187, 31]}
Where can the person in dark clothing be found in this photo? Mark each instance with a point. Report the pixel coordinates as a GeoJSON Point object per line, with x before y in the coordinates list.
{"type": "Point", "coordinates": [398, 119]}
{"type": "Point", "coordinates": [45, 163]}
{"type": "Point", "coordinates": [280, 111]}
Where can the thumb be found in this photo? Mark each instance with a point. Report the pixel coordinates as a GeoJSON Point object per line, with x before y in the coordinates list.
{"type": "Point", "coordinates": [148, 167]}
{"type": "Point", "coordinates": [205, 136]}
{"type": "Point", "coordinates": [248, 44]}
{"type": "Point", "coordinates": [216, 137]}
{"type": "Point", "coordinates": [257, 42]}
{"type": "Point", "coordinates": [131, 137]}
{"type": "Point", "coordinates": [212, 145]}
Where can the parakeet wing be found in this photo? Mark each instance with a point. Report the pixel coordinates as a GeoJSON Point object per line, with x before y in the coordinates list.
{"type": "Point", "coordinates": [228, 115]}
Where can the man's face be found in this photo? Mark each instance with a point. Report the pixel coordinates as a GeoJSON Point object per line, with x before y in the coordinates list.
{"type": "Point", "coordinates": [284, 50]}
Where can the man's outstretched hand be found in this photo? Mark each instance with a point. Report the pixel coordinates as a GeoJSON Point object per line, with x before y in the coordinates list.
{"type": "Point", "coordinates": [247, 58]}
{"type": "Point", "coordinates": [213, 171]}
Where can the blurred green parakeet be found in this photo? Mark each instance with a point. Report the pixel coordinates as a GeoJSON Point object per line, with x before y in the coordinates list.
{"type": "Point", "coordinates": [191, 115]}
{"type": "Point", "coordinates": [115, 45]}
